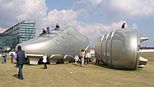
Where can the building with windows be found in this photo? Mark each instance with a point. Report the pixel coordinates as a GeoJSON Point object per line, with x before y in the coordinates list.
{"type": "Point", "coordinates": [18, 33]}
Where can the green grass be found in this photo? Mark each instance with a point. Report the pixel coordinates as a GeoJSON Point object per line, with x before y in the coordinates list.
{"type": "Point", "coordinates": [68, 75]}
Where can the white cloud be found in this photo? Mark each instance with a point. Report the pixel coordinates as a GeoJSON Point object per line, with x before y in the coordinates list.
{"type": "Point", "coordinates": [86, 7]}
{"type": "Point", "coordinates": [134, 8]}
{"type": "Point", "coordinates": [53, 17]}
{"type": "Point", "coordinates": [2, 29]}
{"type": "Point", "coordinates": [13, 11]}
{"type": "Point", "coordinates": [61, 17]}
{"type": "Point", "coordinates": [32, 9]}
{"type": "Point", "coordinates": [116, 8]}
{"type": "Point", "coordinates": [93, 31]}
{"type": "Point", "coordinates": [95, 2]}
{"type": "Point", "coordinates": [102, 28]}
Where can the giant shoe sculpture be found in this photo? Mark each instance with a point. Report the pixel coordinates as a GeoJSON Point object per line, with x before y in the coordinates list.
{"type": "Point", "coordinates": [59, 45]}
{"type": "Point", "coordinates": [120, 49]}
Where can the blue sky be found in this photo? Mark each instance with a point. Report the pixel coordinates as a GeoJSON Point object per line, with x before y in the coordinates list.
{"type": "Point", "coordinates": [91, 17]}
{"type": "Point", "coordinates": [59, 4]}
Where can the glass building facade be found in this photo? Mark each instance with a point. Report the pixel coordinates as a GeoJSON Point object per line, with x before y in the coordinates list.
{"type": "Point", "coordinates": [18, 33]}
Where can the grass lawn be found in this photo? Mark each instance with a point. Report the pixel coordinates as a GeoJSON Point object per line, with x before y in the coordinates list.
{"type": "Point", "coordinates": [69, 75]}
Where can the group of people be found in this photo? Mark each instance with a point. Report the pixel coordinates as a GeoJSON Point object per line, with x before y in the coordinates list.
{"type": "Point", "coordinates": [20, 58]}
{"type": "Point", "coordinates": [4, 55]}
{"type": "Point", "coordinates": [84, 57]}
{"type": "Point", "coordinates": [47, 30]}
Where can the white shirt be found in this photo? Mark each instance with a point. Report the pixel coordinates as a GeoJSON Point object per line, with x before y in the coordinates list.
{"type": "Point", "coordinates": [76, 58]}
{"type": "Point", "coordinates": [88, 55]}
{"type": "Point", "coordinates": [44, 59]}
{"type": "Point", "coordinates": [14, 53]}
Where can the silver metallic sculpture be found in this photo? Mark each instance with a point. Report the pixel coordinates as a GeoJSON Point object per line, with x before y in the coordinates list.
{"type": "Point", "coordinates": [120, 49]}
{"type": "Point", "coordinates": [60, 44]}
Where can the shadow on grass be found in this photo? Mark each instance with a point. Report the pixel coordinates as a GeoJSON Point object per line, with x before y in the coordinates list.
{"type": "Point", "coordinates": [15, 75]}
{"type": "Point", "coordinates": [109, 67]}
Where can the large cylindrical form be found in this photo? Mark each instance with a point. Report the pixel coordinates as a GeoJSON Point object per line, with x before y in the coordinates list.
{"type": "Point", "coordinates": [119, 49]}
{"type": "Point", "coordinates": [59, 45]}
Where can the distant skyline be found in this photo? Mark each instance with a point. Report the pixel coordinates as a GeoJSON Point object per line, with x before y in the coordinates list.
{"type": "Point", "coordinates": [91, 17]}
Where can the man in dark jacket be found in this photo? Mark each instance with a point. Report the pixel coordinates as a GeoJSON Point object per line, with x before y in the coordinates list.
{"type": "Point", "coordinates": [20, 61]}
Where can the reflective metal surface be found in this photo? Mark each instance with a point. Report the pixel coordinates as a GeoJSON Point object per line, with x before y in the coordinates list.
{"type": "Point", "coordinates": [119, 49]}
{"type": "Point", "coordinates": [59, 44]}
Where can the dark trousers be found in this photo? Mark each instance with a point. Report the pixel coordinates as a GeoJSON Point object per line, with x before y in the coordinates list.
{"type": "Point", "coordinates": [3, 59]}
{"type": "Point", "coordinates": [20, 74]}
{"type": "Point", "coordinates": [87, 60]}
{"type": "Point", "coordinates": [45, 66]}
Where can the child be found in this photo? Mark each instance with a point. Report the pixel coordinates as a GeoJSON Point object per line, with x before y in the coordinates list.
{"type": "Point", "coordinates": [12, 56]}
{"type": "Point", "coordinates": [76, 59]}
{"type": "Point", "coordinates": [45, 61]}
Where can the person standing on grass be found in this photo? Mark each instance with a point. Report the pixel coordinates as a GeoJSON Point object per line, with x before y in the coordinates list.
{"type": "Point", "coordinates": [88, 56]}
{"type": "Point", "coordinates": [20, 61]}
{"type": "Point", "coordinates": [12, 57]}
{"type": "Point", "coordinates": [45, 61]}
{"type": "Point", "coordinates": [3, 56]}
{"type": "Point", "coordinates": [82, 55]}
{"type": "Point", "coordinates": [76, 59]}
